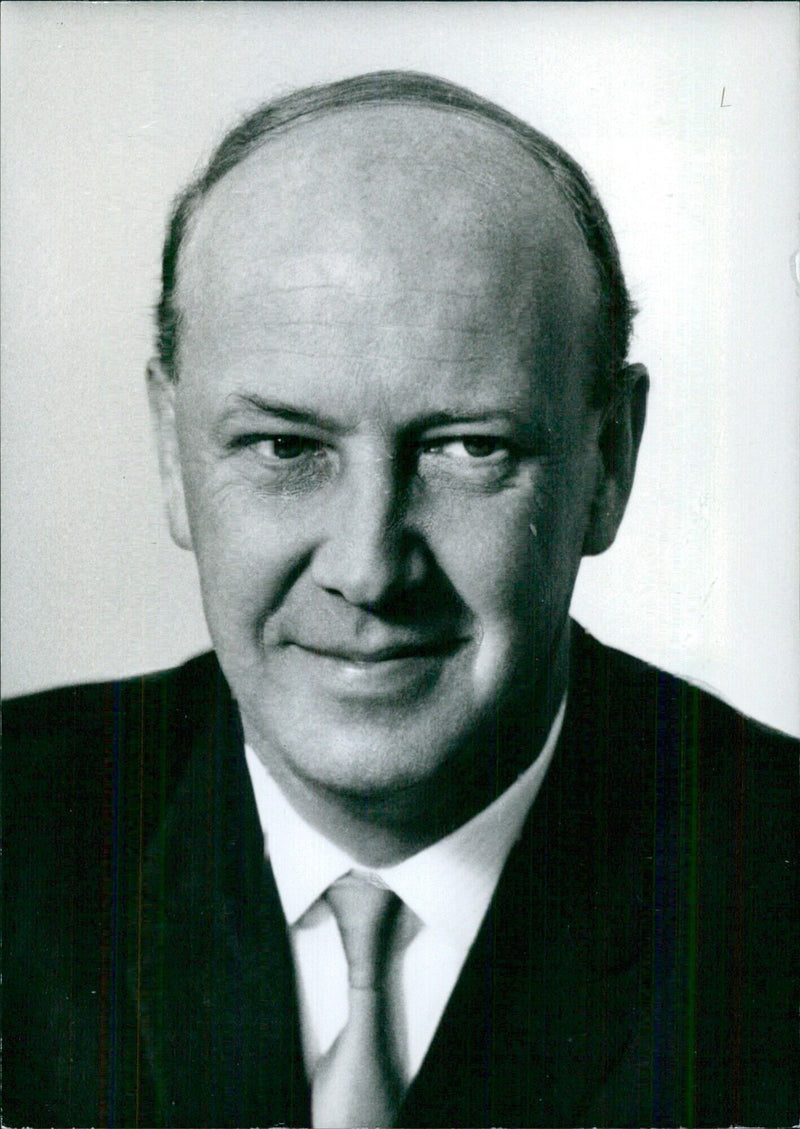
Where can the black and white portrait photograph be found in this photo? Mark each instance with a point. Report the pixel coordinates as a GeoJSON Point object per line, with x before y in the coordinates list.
{"type": "Point", "coordinates": [401, 586]}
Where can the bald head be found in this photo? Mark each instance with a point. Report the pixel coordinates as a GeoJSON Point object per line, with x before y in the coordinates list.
{"type": "Point", "coordinates": [411, 163]}
{"type": "Point", "coordinates": [446, 217]}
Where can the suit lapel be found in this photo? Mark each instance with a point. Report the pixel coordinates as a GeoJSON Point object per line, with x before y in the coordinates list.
{"type": "Point", "coordinates": [544, 1019]}
{"type": "Point", "coordinates": [219, 1019]}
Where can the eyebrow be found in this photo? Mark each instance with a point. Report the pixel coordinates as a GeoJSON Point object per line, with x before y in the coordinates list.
{"type": "Point", "coordinates": [282, 411]}
{"type": "Point", "coordinates": [470, 415]}
{"type": "Point", "coordinates": [429, 421]}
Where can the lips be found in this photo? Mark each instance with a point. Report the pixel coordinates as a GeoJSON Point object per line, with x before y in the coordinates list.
{"type": "Point", "coordinates": [387, 652]}
{"type": "Point", "coordinates": [386, 673]}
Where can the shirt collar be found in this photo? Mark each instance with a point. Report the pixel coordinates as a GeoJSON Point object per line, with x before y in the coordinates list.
{"type": "Point", "coordinates": [448, 885]}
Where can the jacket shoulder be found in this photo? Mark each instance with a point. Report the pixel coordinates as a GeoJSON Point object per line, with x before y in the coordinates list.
{"type": "Point", "coordinates": [69, 729]}
{"type": "Point", "coordinates": [705, 809]}
{"type": "Point", "coordinates": [78, 710]}
{"type": "Point", "coordinates": [718, 791]}
{"type": "Point", "coordinates": [658, 704]}
{"type": "Point", "coordinates": [88, 775]}
{"type": "Point", "coordinates": [79, 761]}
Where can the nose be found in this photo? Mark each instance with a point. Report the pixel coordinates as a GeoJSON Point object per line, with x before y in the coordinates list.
{"type": "Point", "coordinates": [368, 554]}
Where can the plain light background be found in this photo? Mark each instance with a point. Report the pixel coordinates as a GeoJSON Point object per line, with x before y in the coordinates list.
{"type": "Point", "coordinates": [685, 117]}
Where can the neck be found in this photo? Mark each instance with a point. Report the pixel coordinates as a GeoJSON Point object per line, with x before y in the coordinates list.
{"type": "Point", "coordinates": [383, 829]}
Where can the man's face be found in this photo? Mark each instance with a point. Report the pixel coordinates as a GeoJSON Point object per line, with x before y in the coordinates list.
{"type": "Point", "coordinates": [386, 461]}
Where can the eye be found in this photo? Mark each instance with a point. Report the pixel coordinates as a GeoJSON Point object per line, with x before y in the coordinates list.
{"type": "Point", "coordinates": [469, 448]}
{"type": "Point", "coordinates": [285, 448]}
{"type": "Point", "coordinates": [483, 446]}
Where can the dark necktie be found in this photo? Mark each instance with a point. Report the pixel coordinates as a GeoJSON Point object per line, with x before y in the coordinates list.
{"type": "Point", "coordinates": [356, 1083]}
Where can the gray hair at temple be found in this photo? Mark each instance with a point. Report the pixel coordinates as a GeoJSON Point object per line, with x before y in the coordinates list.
{"type": "Point", "coordinates": [616, 310]}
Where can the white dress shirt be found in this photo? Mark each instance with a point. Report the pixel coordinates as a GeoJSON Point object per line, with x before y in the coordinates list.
{"type": "Point", "coordinates": [447, 887]}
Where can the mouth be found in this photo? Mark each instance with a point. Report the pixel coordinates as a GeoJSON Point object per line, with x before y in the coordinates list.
{"type": "Point", "coordinates": [385, 654]}
{"type": "Point", "coordinates": [387, 673]}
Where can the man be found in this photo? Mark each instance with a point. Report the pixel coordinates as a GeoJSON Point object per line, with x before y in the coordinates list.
{"type": "Point", "coordinates": [418, 851]}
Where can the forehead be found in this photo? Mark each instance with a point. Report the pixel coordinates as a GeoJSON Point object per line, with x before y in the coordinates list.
{"type": "Point", "coordinates": [387, 215]}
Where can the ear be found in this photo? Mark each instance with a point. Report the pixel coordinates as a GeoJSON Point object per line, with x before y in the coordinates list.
{"type": "Point", "coordinates": [618, 443]}
{"type": "Point", "coordinates": [161, 393]}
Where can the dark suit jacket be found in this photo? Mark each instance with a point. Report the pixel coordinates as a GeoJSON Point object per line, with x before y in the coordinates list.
{"type": "Point", "coordinates": [638, 966]}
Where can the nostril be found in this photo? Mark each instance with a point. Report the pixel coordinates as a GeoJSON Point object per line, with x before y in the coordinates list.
{"type": "Point", "coordinates": [368, 573]}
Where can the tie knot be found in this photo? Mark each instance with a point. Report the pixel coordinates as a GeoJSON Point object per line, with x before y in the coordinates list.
{"type": "Point", "coordinates": [365, 911]}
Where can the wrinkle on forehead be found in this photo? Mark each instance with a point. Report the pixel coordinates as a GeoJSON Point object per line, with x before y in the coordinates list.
{"type": "Point", "coordinates": [439, 213]}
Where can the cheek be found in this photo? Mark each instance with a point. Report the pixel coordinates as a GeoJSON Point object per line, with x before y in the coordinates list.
{"type": "Point", "coordinates": [488, 555]}
{"type": "Point", "coordinates": [513, 560]}
{"type": "Point", "coordinates": [244, 558]}
{"type": "Point", "coordinates": [493, 565]}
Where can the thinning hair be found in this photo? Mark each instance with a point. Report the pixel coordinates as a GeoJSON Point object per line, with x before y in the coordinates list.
{"type": "Point", "coordinates": [616, 310]}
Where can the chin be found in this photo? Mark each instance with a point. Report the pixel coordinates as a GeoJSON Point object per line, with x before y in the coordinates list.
{"type": "Point", "coordinates": [368, 761]}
